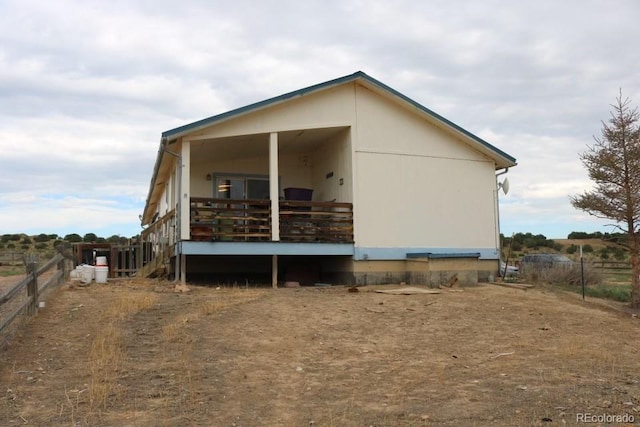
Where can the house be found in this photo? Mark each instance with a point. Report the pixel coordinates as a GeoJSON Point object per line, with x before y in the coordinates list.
{"type": "Point", "coordinates": [347, 181]}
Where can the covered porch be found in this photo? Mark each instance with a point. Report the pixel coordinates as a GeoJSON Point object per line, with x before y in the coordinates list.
{"type": "Point", "coordinates": [289, 186]}
{"type": "Point", "coordinates": [282, 189]}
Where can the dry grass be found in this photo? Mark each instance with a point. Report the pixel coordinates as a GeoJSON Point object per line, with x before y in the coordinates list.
{"type": "Point", "coordinates": [171, 332]}
{"type": "Point", "coordinates": [107, 354]}
{"type": "Point", "coordinates": [563, 274]}
{"type": "Point", "coordinates": [105, 361]}
{"type": "Point", "coordinates": [596, 361]}
{"type": "Point", "coordinates": [177, 345]}
{"type": "Point", "coordinates": [127, 305]}
{"type": "Point", "coordinates": [226, 298]}
{"type": "Point", "coordinates": [484, 356]}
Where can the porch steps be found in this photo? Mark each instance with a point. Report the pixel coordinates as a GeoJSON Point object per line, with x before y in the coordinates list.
{"type": "Point", "coordinates": [154, 268]}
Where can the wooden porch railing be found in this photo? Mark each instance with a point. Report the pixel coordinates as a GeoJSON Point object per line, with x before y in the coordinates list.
{"type": "Point", "coordinates": [157, 243]}
{"type": "Point", "coordinates": [250, 220]}
{"type": "Point", "coordinates": [230, 219]}
{"type": "Point", "coordinates": [302, 221]}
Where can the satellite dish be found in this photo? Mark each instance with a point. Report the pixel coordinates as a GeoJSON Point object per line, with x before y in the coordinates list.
{"type": "Point", "coordinates": [505, 186]}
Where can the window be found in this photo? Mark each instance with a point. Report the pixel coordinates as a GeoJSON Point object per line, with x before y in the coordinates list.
{"type": "Point", "coordinates": [241, 187]}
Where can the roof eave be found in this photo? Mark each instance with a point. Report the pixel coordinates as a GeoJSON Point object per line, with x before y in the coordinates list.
{"type": "Point", "coordinates": [444, 121]}
{"type": "Point", "coordinates": [145, 213]}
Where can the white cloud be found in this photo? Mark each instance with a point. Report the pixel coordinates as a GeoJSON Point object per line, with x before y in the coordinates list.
{"type": "Point", "coordinates": [67, 214]}
{"type": "Point", "coordinates": [87, 87]}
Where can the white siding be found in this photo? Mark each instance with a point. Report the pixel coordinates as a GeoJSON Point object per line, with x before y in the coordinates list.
{"type": "Point", "coordinates": [416, 202]}
{"type": "Point", "coordinates": [417, 186]}
{"type": "Point", "coordinates": [333, 157]}
{"type": "Point", "coordinates": [385, 126]}
{"type": "Point", "coordinates": [329, 108]}
{"type": "Point", "coordinates": [167, 197]}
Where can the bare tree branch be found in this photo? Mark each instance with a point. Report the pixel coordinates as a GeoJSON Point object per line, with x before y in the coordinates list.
{"type": "Point", "coordinates": [613, 164]}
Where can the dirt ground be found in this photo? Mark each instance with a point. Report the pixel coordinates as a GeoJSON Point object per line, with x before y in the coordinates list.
{"type": "Point", "coordinates": [485, 355]}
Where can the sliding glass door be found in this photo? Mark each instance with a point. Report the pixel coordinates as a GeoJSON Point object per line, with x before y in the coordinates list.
{"type": "Point", "coordinates": [238, 219]}
{"type": "Point", "coordinates": [241, 187]}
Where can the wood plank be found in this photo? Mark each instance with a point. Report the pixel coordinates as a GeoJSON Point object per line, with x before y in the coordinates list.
{"type": "Point", "coordinates": [318, 229]}
{"type": "Point", "coordinates": [520, 286]}
{"type": "Point", "coordinates": [240, 234]}
{"type": "Point", "coordinates": [229, 218]}
{"type": "Point", "coordinates": [213, 209]}
{"type": "Point", "coordinates": [316, 238]}
{"type": "Point", "coordinates": [302, 203]}
{"type": "Point", "coordinates": [342, 216]}
{"type": "Point", "coordinates": [53, 261]}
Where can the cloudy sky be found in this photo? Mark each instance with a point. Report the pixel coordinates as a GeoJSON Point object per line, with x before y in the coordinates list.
{"type": "Point", "coordinates": [87, 87]}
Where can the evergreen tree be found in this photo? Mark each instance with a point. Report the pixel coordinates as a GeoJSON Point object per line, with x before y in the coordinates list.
{"type": "Point", "coordinates": [613, 164]}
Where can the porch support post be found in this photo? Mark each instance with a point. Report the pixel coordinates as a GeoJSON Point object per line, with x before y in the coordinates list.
{"type": "Point", "coordinates": [183, 269]}
{"type": "Point", "coordinates": [184, 191]}
{"type": "Point", "coordinates": [273, 188]}
{"type": "Point", "coordinates": [274, 271]}
{"type": "Point", "coordinates": [275, 205]}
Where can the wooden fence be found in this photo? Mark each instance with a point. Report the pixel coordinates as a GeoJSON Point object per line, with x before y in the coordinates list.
{"type": "Point", "coordinates": [15, 300]}
{"type": "Point", "coordinates": [123, 260]}
{"type": "Point", "coordinates": [11, 258]}
{"type": "Point", "coordinates": [611, 265]}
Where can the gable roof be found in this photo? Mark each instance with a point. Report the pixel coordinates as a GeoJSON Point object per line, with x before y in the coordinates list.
{"type": "Point", "coordinates": [503, 160]}
{"type": "Point", "coordinates": [175, 133]}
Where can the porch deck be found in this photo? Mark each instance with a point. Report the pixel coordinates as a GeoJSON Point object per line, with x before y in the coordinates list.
{"type": "Point", "coordinates": [240, 220]}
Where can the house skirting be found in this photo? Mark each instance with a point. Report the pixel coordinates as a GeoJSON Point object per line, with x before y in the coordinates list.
{"type": "Point", "coordinates": [418, 269]}
{"type": "Point", "coordinates": [425, 269]}
{"type": "Point", "coordinates": [443, 271]}
{"type": "Point", "coordinates": [256, 269]}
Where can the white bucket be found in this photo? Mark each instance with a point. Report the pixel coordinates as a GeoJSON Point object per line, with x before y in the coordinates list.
{"type": "Point", "coordinates": [101, 260]}
{"type": "Point", "coordinates": [87, 273]}
{"type": "Point", "coordinates": [101, 274]}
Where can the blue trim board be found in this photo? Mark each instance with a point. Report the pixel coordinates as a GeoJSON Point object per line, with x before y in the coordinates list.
{"type": "Point", "coordinates": [344, 249]}
{"type": "Point", "coordinates": [264, 248]}
{"type": "Point", "coordinates": [442, 256]}
{"type": "Point", "coordinates": [380, 254]}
